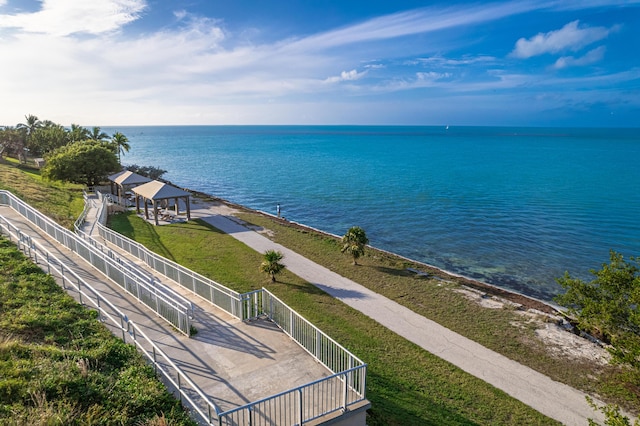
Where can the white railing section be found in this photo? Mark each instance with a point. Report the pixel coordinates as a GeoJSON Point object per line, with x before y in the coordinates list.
{"type": "Point", "coordinates": [124, 263]}
{"type": "Point", "coordinates": [306, 403]}
{"type": "Point", "coordinates": [297, 406]}
{"type": "Point", "coordinates": [320, 346]}
{"type": "Point", "coordinates": [189, 393]}
{"type": "Point", "coordinates": [300, 405]}
{"type": "Point", "coordinates": [77, 225]}
{"type": "Point", "coordinates": [177, 311]}
{"type": "Point", "coordinates": [226, 299]}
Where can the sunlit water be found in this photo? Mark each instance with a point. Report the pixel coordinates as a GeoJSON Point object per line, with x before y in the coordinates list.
{"type": "Point", "coordinates": [514, 207]}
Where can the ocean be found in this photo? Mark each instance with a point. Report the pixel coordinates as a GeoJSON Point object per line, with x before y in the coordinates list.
{"type": "Point", "coordinates": [513, 207]}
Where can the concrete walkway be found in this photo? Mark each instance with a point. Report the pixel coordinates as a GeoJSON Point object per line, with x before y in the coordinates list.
{"type": "Point", "coordinates": [549, 397]}
{"type": "Point", "coordinates": [231, 361]}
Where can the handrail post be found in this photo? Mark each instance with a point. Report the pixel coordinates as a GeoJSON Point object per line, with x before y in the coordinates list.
{"type": "Point", "coordinates": [346, 390]}
{"type": "Point", "coordinates": [301, 412]}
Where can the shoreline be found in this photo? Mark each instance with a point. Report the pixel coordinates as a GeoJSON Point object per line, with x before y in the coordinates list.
{"type": "Point", "coordinates": [529, 302]}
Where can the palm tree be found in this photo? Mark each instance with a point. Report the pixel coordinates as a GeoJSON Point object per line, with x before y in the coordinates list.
{"type": "Point", "coordinates": [271, 264]}
{"type": "Point", "coordinates": [354, 242]}
{"type": "Point", "coordinates": [121, 143]}
{"type": "Point", "coordinates": [96, 135]}
{"type": "Point", "coordinates": [31, 125]}
{"type": "Point", "coordinates": [78, 133]}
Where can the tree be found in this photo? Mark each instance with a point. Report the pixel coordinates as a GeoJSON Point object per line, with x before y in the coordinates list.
{"type": "Point", "coordinates": [271, 264]}
{"type": "Point", "coordinates": [95, 134]}
{"type": "Point", "coordinates": [31, 125]}
{"type": "Point", "coordinates": [12, 141]}
{"type": "Point", "coordinates": [78, 133]}
{"type": "Point", "coordinates": [354, 242]}
{"type": "Point", "coordinates": [612, 414]}
{"type": "Point", "coordinates": [607, 306]}
{"type": "Point", "coordinates": [85, 162]}
{"type": "Point", "coordinates": [121, 143]}
{"type": "Point", "coordinates": [48, 138]}
{"type": "Point", "coordinates": [149, 171]}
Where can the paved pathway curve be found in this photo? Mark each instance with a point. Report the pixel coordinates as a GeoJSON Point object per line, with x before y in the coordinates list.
{"type": "Point", "coordinates": [549, 397]}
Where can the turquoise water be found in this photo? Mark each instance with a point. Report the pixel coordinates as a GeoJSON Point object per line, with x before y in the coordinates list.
{"type": "Point", "coordinates": [514, 207]}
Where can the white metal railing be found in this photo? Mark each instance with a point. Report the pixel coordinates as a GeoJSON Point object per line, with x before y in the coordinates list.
{"type": "Point", "coordinates": [77, 225]}
{"type": "Point", "coordinates": [176, 310]}
{"type": "Point", "coordinates": [306, 403]}
{"type": "Point", "coordinates": [318, 344]}
{"type": "Point", "coordinates": [296, 406]}
{"type": "Point", "coordinates": [188, 391]}
{"type": "Point", "coordinates": [215, 293]}
{"type": "Point", "coordinates": [347, 385]}
{"type": "Point", "coordinates": [124, 263]}
{"type": "Point", "coordinates": [300, 405]}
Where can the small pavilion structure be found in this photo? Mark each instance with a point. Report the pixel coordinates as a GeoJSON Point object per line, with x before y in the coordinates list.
{"type": "Point", "coordinates": [125, 180]}
{"type": "Point", "coordinates": [159, 193]}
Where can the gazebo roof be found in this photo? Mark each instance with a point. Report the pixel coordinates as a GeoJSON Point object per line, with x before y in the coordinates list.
{"type": "Point", "coordinates": [156, 190]}
{"type": "Point", "coordinates": [128, 178]}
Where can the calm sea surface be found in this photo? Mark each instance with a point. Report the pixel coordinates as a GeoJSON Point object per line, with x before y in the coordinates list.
{"type": "Point", "coordinates": [514, 207]}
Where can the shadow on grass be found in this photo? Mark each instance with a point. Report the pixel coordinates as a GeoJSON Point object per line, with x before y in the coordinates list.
{"type": "Point", "coordinates": [209, 227]}
{"type": "Point", "coordinates": [322, 289]}
{"type": "Point", "coordinates": [307, 288]}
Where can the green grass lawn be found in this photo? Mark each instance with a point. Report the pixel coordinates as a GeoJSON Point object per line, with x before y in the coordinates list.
{"type": "Point", "coordinates": [405, 384]}
{"type": "Point", "coordinates": [60, 366]}
{"type": "Point", "coordinates": [61, 202]}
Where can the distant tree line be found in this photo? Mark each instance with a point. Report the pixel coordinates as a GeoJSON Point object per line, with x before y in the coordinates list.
{"type": "Point", "coordinates": [75, 154]}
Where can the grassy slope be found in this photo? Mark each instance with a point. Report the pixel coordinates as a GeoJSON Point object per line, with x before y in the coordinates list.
{"type": "Point", "coordinates": [406, 385]}
{"type": "Point", "coordinates": [62, 202]}
{"type": "Point", "coordinates": [60, 366]}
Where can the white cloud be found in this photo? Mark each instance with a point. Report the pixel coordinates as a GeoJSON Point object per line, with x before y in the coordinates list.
{"type": "Point", "coordinates": [432, 76]}
{"type": "Point", "coordinates": [346, 76]}
{"type": "Point", "coordinates": [64, 17]}
{"type": "Point", "coordinates": [589, 58]}
{"type": "Point", "coordinates": [416, 21]}
{"type": "Point", "coordinates": [571, 37]}
{"type": "Point", "coordinates": [446, 62]}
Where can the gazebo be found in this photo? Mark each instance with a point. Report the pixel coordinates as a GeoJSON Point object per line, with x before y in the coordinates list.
{"type": "Point", "coordinates": [124, 181]}
{"type": "Point", "coordinates": [156, 192]}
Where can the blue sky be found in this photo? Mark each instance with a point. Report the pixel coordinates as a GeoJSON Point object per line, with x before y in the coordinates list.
{"type": "Point", "coordinates": [128, 62]}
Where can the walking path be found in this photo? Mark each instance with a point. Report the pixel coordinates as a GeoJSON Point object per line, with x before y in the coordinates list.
{"type": "Point", "coordinates": [549, 397]}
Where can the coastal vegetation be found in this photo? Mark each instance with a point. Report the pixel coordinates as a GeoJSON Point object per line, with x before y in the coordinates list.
{"type": "Point", "coordinates": [607, 306]}
{"type": "Point", "coordinates": [354, 242]}
{"type": "Point", "coordinates": [271, 264]}
{"type": "Point", "coordinates": [38, 138]}
{"type": "Point", "coordinates": [84, 162]}
{"type": "Point", "coordinates": [441, 297]}
{"type": "Point", "coordinates": [62, 202]}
